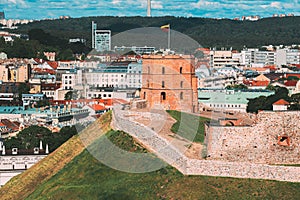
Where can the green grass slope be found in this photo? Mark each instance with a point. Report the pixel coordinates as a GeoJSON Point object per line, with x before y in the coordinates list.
{"type": "Point", "coordinates": [22, 185]}
{"type": "Point", "coordinates": [86, 178]}
{"type": "Point", "coordinates": [188, 126]}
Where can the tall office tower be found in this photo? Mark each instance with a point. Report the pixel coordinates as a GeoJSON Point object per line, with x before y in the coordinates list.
{"type": "Point", "coordinates": [2, 15]}
{"type": "Point", "coordinates": [149, 8]}
{"type": "Point", "coordinates": [101, 39]}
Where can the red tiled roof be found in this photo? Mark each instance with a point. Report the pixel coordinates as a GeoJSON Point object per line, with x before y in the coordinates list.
{"type": "Point", "coordinates": [271, 67]}
{"type": "Point", "coordinates": [53, 64]}
{"type": "Point", "coordinates": [1, 124]}
{"type": "Point", "coordinates": [281, 102]}
{"type": "Point", "coordinates": [293, 74]}
{"type": "Point", "coordinates": [39, 61]}
{"type": "Point", "coordinates": [291, 83]}
{"type": "Point", "coordinates": [97, 107]}
{"type": "Point", "coordinates": [256, 83]}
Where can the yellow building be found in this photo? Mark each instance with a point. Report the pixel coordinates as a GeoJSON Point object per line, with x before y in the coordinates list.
{"type": "Point", "coordinates": [14, 72]}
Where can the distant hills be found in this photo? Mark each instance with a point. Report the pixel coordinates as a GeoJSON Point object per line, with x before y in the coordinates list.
{"type": "Point", "coordinates": [208, 32]}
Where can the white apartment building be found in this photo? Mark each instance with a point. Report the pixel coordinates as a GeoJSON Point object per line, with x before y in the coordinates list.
{"type": "Point", "coordinates": [101, 39]}
{"type": "Point", "coordinates": [265, 57]}
{"type": "Point", "coordinates": [247, 56]}
{"type": "Point", "coordinates": [221, 58]}
{"type": "Point", "coordinates": [287, 56]}
{"type": "Point", "coordinates": [124, 75]}
{"type": "Point", "coordinates": [69, 80]}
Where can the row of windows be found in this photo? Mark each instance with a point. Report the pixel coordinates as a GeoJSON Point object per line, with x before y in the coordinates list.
{"type": "Point", "coordinates": [224, 106]}
{"type": "Point", "coordinates": [99, 95]}
{"type": "Point", "coordinates": [48, 93]}
{"type": "Point", "coordinates": [66, 82]}
{"type": "Point", "coordinates": [66, 77]}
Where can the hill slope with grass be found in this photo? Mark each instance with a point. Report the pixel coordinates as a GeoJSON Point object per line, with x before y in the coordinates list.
{"type": "Point", "coordinates": [22, 185]}
{"type": "Point", "coordinates": [84, 177]}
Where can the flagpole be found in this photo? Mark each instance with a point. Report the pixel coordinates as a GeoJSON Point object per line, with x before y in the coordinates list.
{"type": "Point", "coordinates": [169, 37]}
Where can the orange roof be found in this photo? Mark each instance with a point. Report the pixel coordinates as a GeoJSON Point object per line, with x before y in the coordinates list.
{"type": "Point", "coordinates": [281, 102]}
{"type": "Point", "coordinates": [1, 124]}
{"type": "Point", "coordinates": [53, 64]}
{"type": "Point", "coordinates": [97, 107]}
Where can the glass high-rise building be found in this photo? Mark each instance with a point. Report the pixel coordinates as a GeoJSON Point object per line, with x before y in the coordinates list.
{"type": "Point", "coordinates": [101, 39]}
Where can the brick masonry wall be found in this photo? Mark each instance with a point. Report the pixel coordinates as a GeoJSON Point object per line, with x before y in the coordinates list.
{"type": "Point", "coordinates": [175, 76]}
{"type": "Point", "coordinates": [123, 120]}
{"type": "Point", "coordinates": [259, 143]}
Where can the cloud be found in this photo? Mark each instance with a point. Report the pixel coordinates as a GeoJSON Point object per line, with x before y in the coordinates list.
{"type": "Point", "coordinates": [156, 5]}
{"type": "Point", "coordinates": [275, 4]}
{"type": "Point", "coordinates": [203, 3]}
{"type": "Point", "coordinates": [116, 2]}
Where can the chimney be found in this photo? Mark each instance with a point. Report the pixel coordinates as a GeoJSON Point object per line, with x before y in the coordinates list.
{"type": "Point", "coordinates": [41, 145]}
{"type": "Point", "coordinates": [47, 149]}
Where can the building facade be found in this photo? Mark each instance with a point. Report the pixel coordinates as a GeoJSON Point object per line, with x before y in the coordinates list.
{"type": "Point", "coordinates": [101, 39]}
{"type": "Point", "coordinates": [170, 81]}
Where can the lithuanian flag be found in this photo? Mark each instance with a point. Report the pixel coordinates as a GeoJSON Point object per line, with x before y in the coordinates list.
{"type": "Point", "coordinates": [165, 28]}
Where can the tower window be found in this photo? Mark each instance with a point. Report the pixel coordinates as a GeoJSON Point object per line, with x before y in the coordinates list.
{"type": "Point", "coordinates": [181, 95]}
{"type": "Point", "coordinates": [163, 95]}
{"type": "Point", "coordinates": [162, 84]}
{"type": "Point", "coordinates": [181, 84]}
{"type": "Point", "coordinates": [180, 70]}
{"type": "Point", "coordinates": [163, 70]}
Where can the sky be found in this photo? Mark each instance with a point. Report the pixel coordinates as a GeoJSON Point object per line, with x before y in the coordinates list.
{"type": "Point", "coordinates": [41, 9]}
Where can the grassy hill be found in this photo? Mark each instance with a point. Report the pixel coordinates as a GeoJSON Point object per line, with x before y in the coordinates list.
{"type": "Point", "coordinates": [84, 177]}
{"type": "Point", "coordinates": [186, 124]}
{"type": "Point", "coordinates": [207, 32]}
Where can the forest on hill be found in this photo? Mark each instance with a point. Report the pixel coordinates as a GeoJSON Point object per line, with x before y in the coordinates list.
{"type": "Point", "coordinates": [54, 34]}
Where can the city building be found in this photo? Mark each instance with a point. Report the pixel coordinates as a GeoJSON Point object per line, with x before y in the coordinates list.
{"type": "Point", "coordinates": [170, 81]}
{"type": "Point", "coordinates": [229, 100]}
{"type": "Point", "coordinates": [101, 39]}
{"type": "Point", "coordinates": [287, 56]}
{"type": "Point", "coordinates": [280, 105]}
{"type": "Point", "coordinates": [50, 55]}
{"type": "Point", "coordinates": [29, 99]}
{"type": "Point", "coordinates": [137, 50]}
{"type": "Point", "coordinates": [265, 57]}
{"type": "Point", "coordinates": [15, 70]}
{"type": "Point", "coordinates": [220, 58]}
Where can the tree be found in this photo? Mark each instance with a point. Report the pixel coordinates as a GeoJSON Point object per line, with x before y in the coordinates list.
{"type": "Point", "coordinates": [30, 137]}
{"type": "Point", "coordinates": [23, 88]}
{"type": "Point", "coordinates": [69, 95]}
{"type": "Point", "coordinates": [237, 87]}
{"type": "Point", "coordinates": [266, 103]}
{"type": "Point", "coordinates": [66, 54]}
{"type": "Point", "coordinates": [271, 87]}
{"type": "Point", "coordinates": [42, 103]}
{"type": "Point", "coordinates": [256, 104]}
{"type": "Point", "coordinates": [295, 98]}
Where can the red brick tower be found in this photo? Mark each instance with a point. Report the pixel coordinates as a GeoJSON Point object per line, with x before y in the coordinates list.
{"type": "Point", "coordinates": [169, 80]}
